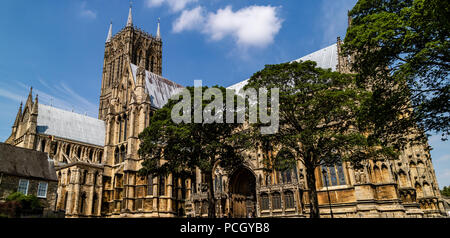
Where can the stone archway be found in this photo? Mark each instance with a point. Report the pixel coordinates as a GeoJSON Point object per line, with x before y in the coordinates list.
{"type": "Point", "coordinates": [242, 189]}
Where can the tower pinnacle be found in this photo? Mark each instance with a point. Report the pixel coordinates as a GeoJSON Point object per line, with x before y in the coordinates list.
{"type": "Point", "coordinates": [108, 39]}
{"type": "Point", "coordinates": [130, 16]}
{"type": "Point", "coordinates": [158, 32]}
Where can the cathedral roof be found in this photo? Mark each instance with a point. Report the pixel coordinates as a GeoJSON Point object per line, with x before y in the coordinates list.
{"type": "Point", "coordinates": [69, 125]}
{"type": "Point", "coordinates": [160, 89]}
{"type": "Point", "coordinates": [326, 58]}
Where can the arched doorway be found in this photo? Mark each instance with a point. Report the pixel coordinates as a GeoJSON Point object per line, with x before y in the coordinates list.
{"type": "Point", "coordinates": [242, 193]}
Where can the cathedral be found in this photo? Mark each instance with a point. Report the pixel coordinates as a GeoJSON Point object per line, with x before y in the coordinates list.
{"type": "Point", "coordinates": [97, 161]}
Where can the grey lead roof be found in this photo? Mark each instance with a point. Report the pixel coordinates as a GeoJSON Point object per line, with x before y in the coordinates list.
{"type": "Point", "coordinates": [69, 125]}
{"type": "Point", "coordinates": [326, 58]}
{"type": "Point", "coordinates": [160, 89]}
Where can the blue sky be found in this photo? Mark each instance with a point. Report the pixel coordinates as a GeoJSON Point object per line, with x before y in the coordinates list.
{"type": "Point", "coordinates": [58, 46]}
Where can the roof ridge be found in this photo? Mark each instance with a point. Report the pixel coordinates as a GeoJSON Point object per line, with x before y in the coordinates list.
{"type": "Point", "coordinates": [76, 113]}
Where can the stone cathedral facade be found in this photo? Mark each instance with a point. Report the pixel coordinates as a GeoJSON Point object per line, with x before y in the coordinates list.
{"type": "Point", "coordinates": [97, 159]}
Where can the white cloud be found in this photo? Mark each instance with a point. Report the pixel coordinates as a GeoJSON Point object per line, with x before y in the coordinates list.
{"type": "Point", "coordinates": [189, 20]}
{"type": "Point", "coordinates": [87, 13]}
{"type": "Point", "coordinates": [254, 26]}
{"type": "Point", "coordinates": [251, 26]}
{"type": "Point", "coordinates": [174, 5]}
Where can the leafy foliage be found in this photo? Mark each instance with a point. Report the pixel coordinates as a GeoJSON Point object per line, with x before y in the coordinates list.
{"type": "Point", "coordinates": [446, 191]}
{"type": "Point", "coordinates": [401, 48]}
{"type": "Point", "coordinates": [179, 149]}
{"type": "Point", "coordinates": [28, 202]}
{"type": "Point", "coordinates": [17, 203]}
{"type": "Point", "coordinates": [320, 115]}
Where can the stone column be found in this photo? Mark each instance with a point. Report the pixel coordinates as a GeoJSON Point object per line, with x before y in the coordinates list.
{"type": "Point", "coordinates": [76, 193]}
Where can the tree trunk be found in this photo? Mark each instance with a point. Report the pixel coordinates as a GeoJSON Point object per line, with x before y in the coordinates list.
{"type": "Point", "coordinates": [313, 201]}
{"type": "Point", "coordinates": [211, 199]}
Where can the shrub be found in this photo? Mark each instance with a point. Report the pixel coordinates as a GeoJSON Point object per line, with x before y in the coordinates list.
{"type": "Point", "coordinates": [28, 203]}
{"type": "Point", "coordinates": [10, 209]}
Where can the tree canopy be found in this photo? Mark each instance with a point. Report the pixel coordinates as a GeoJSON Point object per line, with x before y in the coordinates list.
{"type": "Point", "coordinates": [401, 48]}
{"type": "Point", "coordinates": [171, 148]}
{"type": "Point", "coordinates": [319, 119]}
{"type": "Point", "coordinates": [446, 191]}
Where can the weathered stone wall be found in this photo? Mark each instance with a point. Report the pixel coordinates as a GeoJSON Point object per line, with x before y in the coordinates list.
{"type": "Point", "coordinates": [9, 184]}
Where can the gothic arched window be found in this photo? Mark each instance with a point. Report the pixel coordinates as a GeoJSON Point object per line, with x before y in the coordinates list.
{"type": "Point", "coordinates": [43, 143]}
{"type": "Point", "coordinates": [68, 150]}
{"type": "Point", "coordinates": [84, 178]}
{"type": "Point", "coordinates": [268, 180]}
{"type": "Point", "coordinates": [116, 156]}
{"type": "Point", "coordinates": [123, 153]}
{"type": "Point", "coordinates": [125, 119]}
{"type": "Point", "coordinates": [183, 189]}
{"type": "Point", "coordinates": [120, 130]}
{"type": "Point", "coordinates": [264, 201]}
{"type": "Point", "coordinates": [66, 195]}
{"type": "Point", "coordinates": [151, 65]}
{"type": "Point", "coordinates": [54, 148]}
{"type": "Point", "coordinates": [95, 178]}
{"type": "Point", "coordinates": [82, 203]}
{"type": "Point", "coordinates": [162, 186]}
{"type": "Point", "coordinates": [194, 184]}
{"type": "Point", "coordinates": [150, 185]}
{"type": "Point", "coordinates": [94, 204]}
{"type": "Point", "coordinates": [99, 158]}
{"type": "Point", "coordinates": [276, 201]}
{"type": "Point", "coordinates": [289, 199]}
{"type": "Point", "coordinates": [333, 175]}
{"type": "Point", "coordinates": [286, 176]}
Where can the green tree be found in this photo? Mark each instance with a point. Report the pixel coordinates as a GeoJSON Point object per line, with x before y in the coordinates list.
{"type": "Point", "coordinates": [171, 148]}
{"type": "Point", "coordinates": [319, 116]}
{"type": "Point", "coordinates": [445, 191]}
{"type": "Point", "coordinates": [401, 48]}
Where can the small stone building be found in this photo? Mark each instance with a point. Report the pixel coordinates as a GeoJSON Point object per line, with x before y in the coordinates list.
{"type": "Point", "coordinates": [29, 172]}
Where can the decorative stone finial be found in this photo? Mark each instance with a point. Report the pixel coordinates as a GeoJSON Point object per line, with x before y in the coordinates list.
{"type": "Point", "coordinates": [158, 31]}
{"type": "Point", "coordinates": [108, 39]}
{"type": "Point", "coordinates": [130, 16]}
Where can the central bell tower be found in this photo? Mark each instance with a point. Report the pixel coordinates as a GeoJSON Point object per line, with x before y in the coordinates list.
{"type": "Point", "coordinates": [129, 46]}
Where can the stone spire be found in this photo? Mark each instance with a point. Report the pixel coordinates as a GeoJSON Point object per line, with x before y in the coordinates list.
{"type": "Point", "coordinates": [130, 16]}
{"type": "Point", "coordinates": [108, 39]}
{"type": "Point", "coordinates": [35, 106]}
{"type": "Point", "coordinates": [19, 114]}
{"type": "Point", "coordinates": [30, 98]}
{"type": "Point", "coordinates": [158, 31]}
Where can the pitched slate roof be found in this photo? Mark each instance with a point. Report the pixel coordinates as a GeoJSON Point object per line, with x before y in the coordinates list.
{"type": "Point", "coordinates": [326, 58]}
{"type": "Point", "coordinates": [160, 89]}
{"type": "Point", "coordinates": [26, 163]}
{"type": "Point", "coordinates": [69, 125]}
